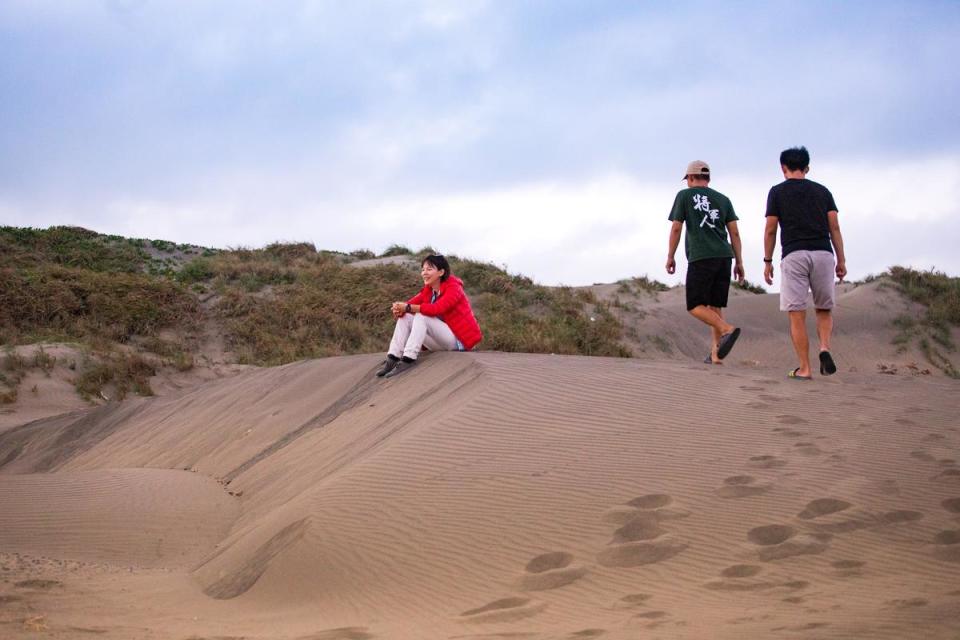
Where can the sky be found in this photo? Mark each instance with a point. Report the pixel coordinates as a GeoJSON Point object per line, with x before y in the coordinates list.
{"type": "Point", "coordinates": [546, 136]}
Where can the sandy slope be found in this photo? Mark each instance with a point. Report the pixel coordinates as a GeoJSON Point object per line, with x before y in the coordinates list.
{"type": "Point", "coordinates": [492, 495]}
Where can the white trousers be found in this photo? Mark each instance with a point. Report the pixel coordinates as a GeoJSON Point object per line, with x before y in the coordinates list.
{"type": "Point", "coordinates": [415, 331]}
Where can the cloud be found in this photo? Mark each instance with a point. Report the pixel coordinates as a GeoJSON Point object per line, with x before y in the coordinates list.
{"type": "Point", "coordinates": [545, 135]}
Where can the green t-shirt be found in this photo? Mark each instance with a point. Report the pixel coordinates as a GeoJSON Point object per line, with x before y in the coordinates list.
{"type": "Point", "coordinates": [705, 213]}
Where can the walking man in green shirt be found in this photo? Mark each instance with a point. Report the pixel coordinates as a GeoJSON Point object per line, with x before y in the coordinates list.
{"type": "Point", "coordinates": [708, 215]}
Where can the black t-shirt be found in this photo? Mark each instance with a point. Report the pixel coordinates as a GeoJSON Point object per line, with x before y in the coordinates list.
{"type": "Point", "coordinates": [801, 206]}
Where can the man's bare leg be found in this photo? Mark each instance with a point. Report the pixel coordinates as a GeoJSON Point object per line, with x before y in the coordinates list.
{"type": "Point", "coordinates": [801, 343]}
{"type": "Point", "coordinates": [824, 328]}
{"type": "Point", "coordinates": [710, 317]}
{"type": "Point", "coordinates": [716, 334]}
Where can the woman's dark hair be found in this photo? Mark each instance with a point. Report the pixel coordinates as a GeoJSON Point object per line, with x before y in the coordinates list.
{"type": "Point", "coordinates": [795, 158]}
{"type": "Point", "coordinates": [440, 264]}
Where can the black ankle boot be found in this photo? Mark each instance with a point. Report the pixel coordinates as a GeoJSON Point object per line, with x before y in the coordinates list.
{"type": "Point", "coordinates": [388, 365]}
{"type": "Point", "coordinates": [404, 365]}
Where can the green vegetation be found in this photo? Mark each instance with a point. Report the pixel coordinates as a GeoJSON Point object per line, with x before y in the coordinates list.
{"type": "Point", "coordinates": [12, 370]}
{"type": "Point", "coordinates": [641, 284]}
{"type": "Point", "coordinates": [748, 286]}
{"type": "Point", "coordinates": [396, 250]}
{"type": "Point", "coordinates": [940, 296]}
{"type": "Point", "coordinates": [318, 306]}
{"type": "Point", "coordinates": [122, 299]}
{"type": "Point", "coordinates": [518, 315]}
{"type": "Point", "coordinates": [126, 372]}
{"type": "Point", "coordinates": [51, 302]}
{"type": "Point", "coordinates": [70, 247]}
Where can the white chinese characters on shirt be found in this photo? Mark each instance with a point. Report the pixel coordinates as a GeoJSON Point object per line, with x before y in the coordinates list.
{"type": "Point", "coordinates": [702, 203]}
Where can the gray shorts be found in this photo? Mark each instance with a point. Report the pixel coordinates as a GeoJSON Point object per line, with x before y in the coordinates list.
{"type": "Point", "coordinates": [804, 271]}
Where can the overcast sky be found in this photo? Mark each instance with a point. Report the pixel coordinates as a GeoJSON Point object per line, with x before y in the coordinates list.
{"type": "Point", "coordinates": [548, 136]}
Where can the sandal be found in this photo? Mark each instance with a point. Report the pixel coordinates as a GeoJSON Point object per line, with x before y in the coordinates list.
{"type": "Point", "coordinates": [726, 343]}
{"type": "Point", "coordinates": [827, 366]}
{"type": "Point", "coordinates": [793, 375]}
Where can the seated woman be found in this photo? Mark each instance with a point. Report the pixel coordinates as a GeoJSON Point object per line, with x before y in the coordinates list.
{"type": "Point", "coordinates": [438, 318]}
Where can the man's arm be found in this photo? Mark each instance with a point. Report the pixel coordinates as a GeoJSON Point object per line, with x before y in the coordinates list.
{"type": "Point", "coordinates": [738, 273]}
{"type": "Point", "coordinates": [675, 230]}
{"type": "Point", "coordinates": [837, 239]}
{"type": "Point", "coordinates": [769, 244]}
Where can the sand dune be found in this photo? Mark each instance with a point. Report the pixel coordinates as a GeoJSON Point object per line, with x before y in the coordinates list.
{"type": "Point", "coordinates": [493, 495]}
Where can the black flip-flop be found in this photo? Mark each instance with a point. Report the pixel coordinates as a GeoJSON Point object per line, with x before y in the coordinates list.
{"type": "Point", "coordinates": [727, 341]}
{"type": "Point", "coordinates": [827, 366]}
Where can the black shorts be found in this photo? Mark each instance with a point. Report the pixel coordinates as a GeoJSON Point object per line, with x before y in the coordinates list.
{"type": "Point", "coordinates": [708, 282]}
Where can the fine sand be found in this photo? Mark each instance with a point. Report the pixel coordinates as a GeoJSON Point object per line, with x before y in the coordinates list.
{"type": "Point", "coordinates": [502, 496]}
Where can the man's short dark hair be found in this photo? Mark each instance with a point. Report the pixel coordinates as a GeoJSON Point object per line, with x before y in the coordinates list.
{"type": "Point", "coordinates": [795, 158]}
{"type": "Point", "coordinates": [701, 176]}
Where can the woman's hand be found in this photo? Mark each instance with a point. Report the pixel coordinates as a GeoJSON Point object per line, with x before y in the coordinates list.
{"type": "Point", "coordinates": [397, 309]}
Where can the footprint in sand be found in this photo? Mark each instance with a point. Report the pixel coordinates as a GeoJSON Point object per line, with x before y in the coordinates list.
{"type": "Point", "coordinates": [735, 579]}
{"type": "Point", "coordinates": [652, 615]}
{"type": "Point", "coordinates": [752, 388]}
{"type": "Point", "coordinates": [741, 571]}
{"type": "Point", "coordinates": [900, 516]}
{"type": "Point", "coordinates": [756, 405]}
{"type": "Point", "coordinates": [651, 619]}
{"type": "Point", "coordinates": [341, 633]}
{"type": "Point", "coordinates": [906, 422]}
{"type": "Point", "coordinates": [741, 487]}
{"type": "Point", "coordinates": [503, 610]}
{"type": "Point", "coordinates": [766, 462]}
{"type": "Point", "coordinates": [951, 504]}
{"type": "Point", "coordinates": [947, 545]}
{"type": "Point", "coordinates": [588, 633]}
{"type": "Point", "coordinates": [790, 419]}
{"type": "Point", "coordinates": [778, 541]}
{"type": "Point", "coordinates": [807, 449]}
{"type": "Point", "coordinates": [788, 433]}
{"type": "Point", "coordinates": [835, 516]}
{"type": "Point", "coordinates": [823, 507]}
{"type": "Point", "coordinates": [632, 601]}
{"type": "Point", "coordinates": [641, 540]}
{"type": "Point", "coordinates": [948, 475]}
{"type": "Point", "coordinates": [934, 437]}
{"type": "Point", "coordinates": [822, 515]}
{"type": "Point", "coordinates": [43, 585]}
{"type": "Point", "coordinates": [550, 571]}
{"type": "Point", "coordinates": [810, 626]}
{"type": "Point", "coordinates": [920, 454]}
{"type": "Point", "coordinates": [908, 603]}
{"type": "Point", "coordinates": [658, 503]}
{"type": "Point", "coordinates": [848, 568]}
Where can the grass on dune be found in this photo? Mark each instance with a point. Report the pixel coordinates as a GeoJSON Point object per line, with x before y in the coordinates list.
{"type": "Point", "coordinates": [939, 295]}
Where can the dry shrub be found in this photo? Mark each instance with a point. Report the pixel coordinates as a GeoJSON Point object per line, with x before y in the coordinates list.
{"type": "Point", "coordinates": [77, 303]}
{"type": "Point", "coordinates": [125, 372]}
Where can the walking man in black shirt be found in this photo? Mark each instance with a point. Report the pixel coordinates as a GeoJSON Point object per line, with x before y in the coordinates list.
{"type": "Point", "coordinates": [807, 215]}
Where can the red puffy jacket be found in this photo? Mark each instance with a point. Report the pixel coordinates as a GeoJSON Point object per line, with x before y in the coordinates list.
{"type": "Point", "coordinates": [453, 307]}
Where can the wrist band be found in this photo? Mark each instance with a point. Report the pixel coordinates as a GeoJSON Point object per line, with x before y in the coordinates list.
{"type": "Point", "coordinates": [408, 308]}
{"type": "Point", "coordinates": [768, 259]}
